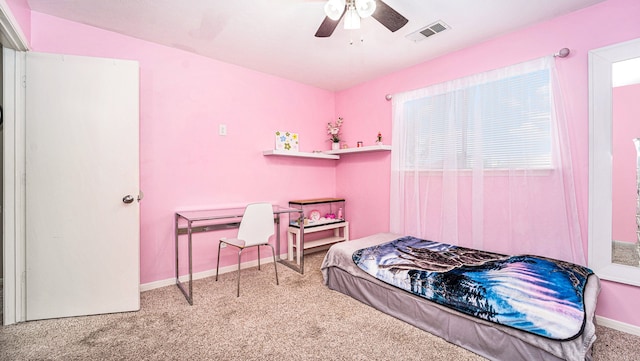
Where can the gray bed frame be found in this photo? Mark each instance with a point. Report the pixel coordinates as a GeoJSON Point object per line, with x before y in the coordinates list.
{"type": "Point", "coordinates": [487, 339]}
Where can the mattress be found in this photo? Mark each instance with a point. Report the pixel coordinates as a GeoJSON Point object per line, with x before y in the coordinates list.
{"type": "Point", "coordinates": [487, 339]}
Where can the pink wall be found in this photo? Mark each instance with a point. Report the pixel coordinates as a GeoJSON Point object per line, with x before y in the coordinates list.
{"type": "Point", "coordinates": [626, 127]}
{"type": "Point", "coordinates": [184, 163]}
{"type": "Point", "coordinates": [22, 13]}
{"type": "Point", "coordinates": [366, 111]}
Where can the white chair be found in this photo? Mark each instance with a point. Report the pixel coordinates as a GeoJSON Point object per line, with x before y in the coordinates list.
{"type": "Point", "coordinates": [256, 227]}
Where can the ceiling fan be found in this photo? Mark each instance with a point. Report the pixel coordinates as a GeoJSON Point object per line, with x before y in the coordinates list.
{"type": "Point", "coordinates": [354, 10]}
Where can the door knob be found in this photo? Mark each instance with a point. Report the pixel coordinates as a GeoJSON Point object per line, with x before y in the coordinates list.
{"type": "Point", "coordinates": [127, 199]}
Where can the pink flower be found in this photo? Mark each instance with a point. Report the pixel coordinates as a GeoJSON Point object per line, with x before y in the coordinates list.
{"type": "Point", "coordinates": [334, 130]}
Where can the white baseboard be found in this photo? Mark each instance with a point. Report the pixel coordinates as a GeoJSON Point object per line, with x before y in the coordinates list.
{"type": "Point", "coordinates": [617, 325]}
{"type": "Point", "coordinates": [209, 273]}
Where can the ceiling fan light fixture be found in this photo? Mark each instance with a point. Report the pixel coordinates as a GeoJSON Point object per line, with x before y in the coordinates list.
{"type": "Point", "coordinates": [353, 11]}
{"type": "Point", "coordinates": [351, 18]}
{"type": "Point", "coordinates": [334, 9]}
{"type": "Point", "coordinates": [365, 8]}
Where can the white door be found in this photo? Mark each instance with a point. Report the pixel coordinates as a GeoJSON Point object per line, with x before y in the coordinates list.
{"type": "Point", "coordinates": [82, 239]}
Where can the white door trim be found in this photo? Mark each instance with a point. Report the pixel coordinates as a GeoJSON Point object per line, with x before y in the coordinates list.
{"type": "Point", "coordinates": [14, 43]}
{"type": "Point", "coordinates": [14, 187]}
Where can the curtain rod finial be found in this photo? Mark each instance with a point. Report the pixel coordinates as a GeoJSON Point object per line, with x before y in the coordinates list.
{"type": "Point", "coordinates": [388, 97]}
{"type": "Point", "coordinates": [563, 53]}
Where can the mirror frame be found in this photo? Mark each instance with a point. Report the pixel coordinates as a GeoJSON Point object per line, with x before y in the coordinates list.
{"type": "Point", "coordinates": [600, 162]}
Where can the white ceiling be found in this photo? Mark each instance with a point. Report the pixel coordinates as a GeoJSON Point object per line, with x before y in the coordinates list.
{"type": "Point", "coordinates": [277, 36]}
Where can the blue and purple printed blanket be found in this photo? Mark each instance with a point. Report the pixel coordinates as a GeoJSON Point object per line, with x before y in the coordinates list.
{"type": "Point", "coordinates": [534, 294]}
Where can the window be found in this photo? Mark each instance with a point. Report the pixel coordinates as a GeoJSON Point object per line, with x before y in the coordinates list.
{"type": "Point", "coordinates": [472, 159]}
{"type": "Point", "coordinates": [502, 123]}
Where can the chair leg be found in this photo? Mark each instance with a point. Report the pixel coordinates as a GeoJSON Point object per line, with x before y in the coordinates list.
{"type": "Point", "coordinates": [258, 258]}
{"type": "Point", "coordinates": [239, 254]}
{"type": "Point", "coordinates": [275, 267]}
{"type": "Point", "coordinates": [218, 263]}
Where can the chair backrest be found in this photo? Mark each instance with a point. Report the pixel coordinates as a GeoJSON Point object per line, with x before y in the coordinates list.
{"type": "Point", "coordinates": [257, 224]}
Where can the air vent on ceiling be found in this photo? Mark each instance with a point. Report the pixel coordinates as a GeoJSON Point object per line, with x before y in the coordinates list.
{"type": "Point", "coordinates": [427, 31]}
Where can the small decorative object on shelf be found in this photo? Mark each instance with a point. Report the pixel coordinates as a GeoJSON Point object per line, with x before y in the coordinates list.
{"type": "Point", "coordinates": [379, 139]}
{"type": "Point", "coordinates": [359, 144]}
{"type": "Point", "coordinates": [287, 141]}
{"type": "Point", "coordinates": [344, 145]}
{"type": "Point", "coordinates": [314, 216]}
{"type": "Point", "coordinates": [333, 129]}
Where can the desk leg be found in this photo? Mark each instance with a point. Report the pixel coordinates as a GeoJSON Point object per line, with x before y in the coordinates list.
{"type": "Point", "coordinates": [190, 298]}
{"type": "Point", "coordinates": [177, 257]}
{"type": "Point", "coordinates": [277, 236]}
{"type": "Point", "coordinates": [301, 246]}
{"type": "Point", "coordinates": [297, 266]}
{"type": "Point", "coordinates": [188, 295]}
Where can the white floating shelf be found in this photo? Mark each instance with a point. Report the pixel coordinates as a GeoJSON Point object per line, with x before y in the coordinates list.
{"type": "Point", "coordinates": [288, 153]}
{"type": "Point", "coordinates": [370, 148]}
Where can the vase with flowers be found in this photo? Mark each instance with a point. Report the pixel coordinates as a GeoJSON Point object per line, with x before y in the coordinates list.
{"type": "Point", "coordinates": [333, 129]}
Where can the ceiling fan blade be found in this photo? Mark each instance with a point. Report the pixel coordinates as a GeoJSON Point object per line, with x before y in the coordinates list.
{"type": "Point", "coordinates": [327, 27]}
{"type": "Point", "coordinates": [388, 17]}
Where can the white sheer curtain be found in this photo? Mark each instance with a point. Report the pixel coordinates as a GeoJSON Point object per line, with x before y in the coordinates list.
{"type": "Point", "coordinates": [484, 162]}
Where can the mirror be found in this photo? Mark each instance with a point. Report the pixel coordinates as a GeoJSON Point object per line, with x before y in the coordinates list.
{"type": "Point", "coordinates": [603, 145]}
{"type": "Point", "coordinates": [625, 81]}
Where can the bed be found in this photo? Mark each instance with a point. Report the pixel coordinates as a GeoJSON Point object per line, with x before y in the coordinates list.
{"type": "Point", "coordinates": [491, 340]}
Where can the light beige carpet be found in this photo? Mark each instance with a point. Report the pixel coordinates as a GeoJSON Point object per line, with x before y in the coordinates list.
{"type": "Point", "coordinates": [298, 320]}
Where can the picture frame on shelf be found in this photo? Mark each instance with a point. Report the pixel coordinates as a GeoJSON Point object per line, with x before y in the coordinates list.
{"type": "Point", "coordinates": [287, 141]}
